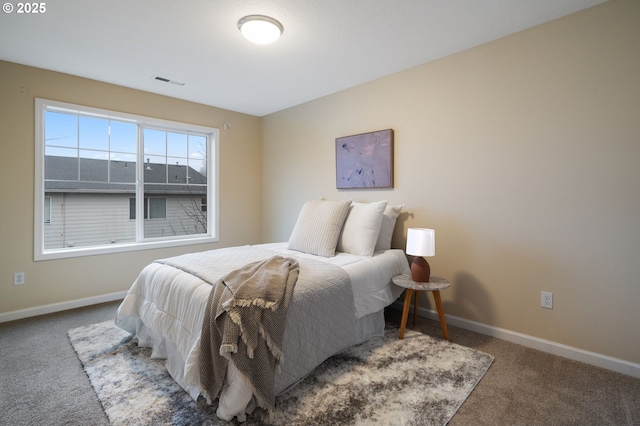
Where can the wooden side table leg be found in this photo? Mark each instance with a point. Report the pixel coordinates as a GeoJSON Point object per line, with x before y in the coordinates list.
{"type": "Point", "coordinates": [405, 311]}
{"type": "Point", "coordinates": [443, 322]}
{"type": "Point", "coordinates": [415, 308]}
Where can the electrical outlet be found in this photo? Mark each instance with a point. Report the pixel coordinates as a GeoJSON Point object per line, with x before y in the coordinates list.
{"type": "Point", "coordinates": [18, 278]}
{"type": "Point", "coordinates": [546, 300]}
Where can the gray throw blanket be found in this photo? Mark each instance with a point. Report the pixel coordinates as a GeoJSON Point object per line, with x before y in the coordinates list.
{"type": "Point", "coordinates": [244, 321]}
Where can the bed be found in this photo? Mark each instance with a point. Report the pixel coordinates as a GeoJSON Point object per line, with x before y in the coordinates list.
{"type": "Point", "coordinates": [344, 284]}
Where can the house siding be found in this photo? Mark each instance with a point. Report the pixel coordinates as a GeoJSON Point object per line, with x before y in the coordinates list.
{"type": "Point", "coordinates": [81, 220]}
{"type": "Point", "coordinates": [54, 230]}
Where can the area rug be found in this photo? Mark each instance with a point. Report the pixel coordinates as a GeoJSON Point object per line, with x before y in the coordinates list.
{"type": "Point", "coordinates": [416, 381]}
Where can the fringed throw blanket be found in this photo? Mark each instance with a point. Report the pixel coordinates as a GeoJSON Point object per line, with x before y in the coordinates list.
{"type": "Point", "coordinates": [244, 322]}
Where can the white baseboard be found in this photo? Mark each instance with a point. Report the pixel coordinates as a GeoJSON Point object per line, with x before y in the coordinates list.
{"type": "Point", "coordinates": [62, 306]}
{"type": "Point", "coordinates": [592, 358]}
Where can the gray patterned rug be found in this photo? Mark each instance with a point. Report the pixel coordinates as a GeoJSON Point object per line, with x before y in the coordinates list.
{"type": "Point", "coordinates": [416, 381]}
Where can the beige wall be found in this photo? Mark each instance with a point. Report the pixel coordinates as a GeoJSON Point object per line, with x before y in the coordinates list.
{"type": "Point", "coordinates": [50, 282]}
{"type": "Point", "coordinates": [522, 154]}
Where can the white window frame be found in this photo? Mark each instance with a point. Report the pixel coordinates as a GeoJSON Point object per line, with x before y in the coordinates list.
{"type": "Point", "coordinates": [213, 134]}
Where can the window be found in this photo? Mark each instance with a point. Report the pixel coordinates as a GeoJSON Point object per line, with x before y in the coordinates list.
{"type": "Point", "coordinates": [157, 208]}
{"type": "Point", "coordinates": [154, 208]}
{"type": "Point", "coordinates": [118, 182]}
{"type": "Point", "coordinates": [47, 209]}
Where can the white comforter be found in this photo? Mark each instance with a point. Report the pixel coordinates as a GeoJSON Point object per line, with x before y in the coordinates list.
{"type": "Point", "coordinates": [165, 308]}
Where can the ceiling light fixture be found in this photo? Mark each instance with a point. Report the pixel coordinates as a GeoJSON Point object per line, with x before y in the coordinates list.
{"type": "Point", "coordinates": [260, 29]}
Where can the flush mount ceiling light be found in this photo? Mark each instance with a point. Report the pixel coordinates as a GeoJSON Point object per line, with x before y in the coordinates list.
{"type": "Point", "coordinates": [260, 29]}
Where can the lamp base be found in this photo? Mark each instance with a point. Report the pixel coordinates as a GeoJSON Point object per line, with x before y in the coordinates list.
{"type": "Point", "coordinates": [420, 270]}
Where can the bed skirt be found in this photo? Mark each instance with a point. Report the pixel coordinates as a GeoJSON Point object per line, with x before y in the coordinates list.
{"type": "Point", "coordinates": [369, 326]}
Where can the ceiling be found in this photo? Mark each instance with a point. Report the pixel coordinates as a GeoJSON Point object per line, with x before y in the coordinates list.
{"type": "Point", "coordinates": [327, 45]}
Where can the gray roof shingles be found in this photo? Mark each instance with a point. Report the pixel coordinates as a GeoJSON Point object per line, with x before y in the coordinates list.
{"type": "Point", "coordinates": [103, 176]}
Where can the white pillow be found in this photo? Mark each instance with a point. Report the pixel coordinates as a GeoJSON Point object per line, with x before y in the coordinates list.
{"type": "Point", "coordinates": [361, 229]}
{"type": "Point", "coordinates": [389, 218]}
{"type": "Point", "coordinates": [318, 227]}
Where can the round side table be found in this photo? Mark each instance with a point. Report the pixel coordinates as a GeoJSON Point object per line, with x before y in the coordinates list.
{"type": "Point", "coordinates": [434, 285]}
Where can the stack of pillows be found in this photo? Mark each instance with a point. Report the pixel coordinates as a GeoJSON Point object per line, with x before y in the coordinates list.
{"type": "Point", "coordinates": [326, 227]}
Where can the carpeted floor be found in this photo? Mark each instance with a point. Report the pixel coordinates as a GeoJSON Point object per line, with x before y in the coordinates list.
{"type": "Point", "coordinates": [418, 381]}
{"type": "Point", "coordinates": [42, 381]}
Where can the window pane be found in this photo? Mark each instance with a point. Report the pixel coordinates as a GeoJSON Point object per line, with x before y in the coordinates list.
{"type": "Point", "coordinates": [198, 154]}
{"type": "Point", "coordinates": [155, 142]}
{"type": "Point", "coordinates": [177, 144]}
{"type": "Point", "coordinates": [123, 137]}
{"type": "Point", "coordinates": [177, 169]}
{"type": "Point", "coordinates": [93, 169]}
{"type": "Point", "coordinates": [61, 164]}
{"type": "Point", "coordinates": [122, 168]}
{"type": "Point", "coordinates": [61, 152]}
{"type": "Point", "coordinates": [94, 133]}
{"type": "Point", "coordinates": [197, 145]}
{"type": "Point", "coordinates": [61, 129]}
{"type": "Point", "coordinates": [197, 172]}
{"type": "Point", "coordinates": [155, 169]}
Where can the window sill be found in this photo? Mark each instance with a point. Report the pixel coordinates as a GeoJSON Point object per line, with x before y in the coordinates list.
{"type": "Point", "coordinates": [119, 248]}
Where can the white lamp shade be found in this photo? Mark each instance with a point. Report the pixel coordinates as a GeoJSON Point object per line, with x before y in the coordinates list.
{"type": "Point", "coordinates": [421, 242]}
{"type": "Point", "coordinates": [260, 29]}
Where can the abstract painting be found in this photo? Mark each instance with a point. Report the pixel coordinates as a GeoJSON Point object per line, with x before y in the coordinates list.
{"type": "Point", "coordinates": [365, 160]}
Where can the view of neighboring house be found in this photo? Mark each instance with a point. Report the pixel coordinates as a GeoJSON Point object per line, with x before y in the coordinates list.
{"type": "Point", "coordinates": [91, 202]}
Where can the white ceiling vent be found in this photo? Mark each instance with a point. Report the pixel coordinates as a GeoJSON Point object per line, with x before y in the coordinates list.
{"type": "Point", "coordinates": [166, 80]}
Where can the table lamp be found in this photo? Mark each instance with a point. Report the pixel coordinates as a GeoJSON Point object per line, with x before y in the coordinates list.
{"type": "Point", "coordinates": [421, 242]}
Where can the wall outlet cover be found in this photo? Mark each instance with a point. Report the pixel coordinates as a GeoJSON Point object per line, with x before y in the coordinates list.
{"type": "Point", "coordinates": [18, 278]}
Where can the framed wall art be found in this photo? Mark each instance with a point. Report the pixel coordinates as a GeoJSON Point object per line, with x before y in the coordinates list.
{"type": "Point", "coordinates": [365, 160]}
